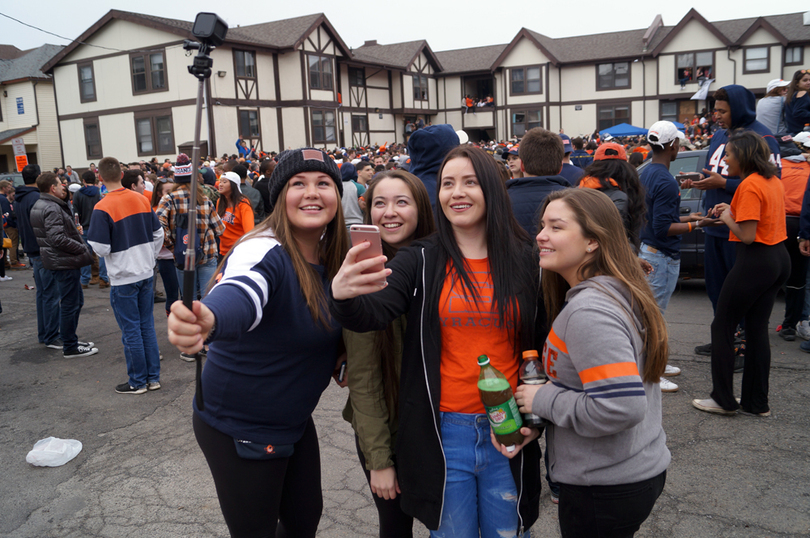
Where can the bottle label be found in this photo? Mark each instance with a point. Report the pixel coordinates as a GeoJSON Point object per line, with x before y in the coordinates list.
{"type": "Point", "coordinates": [504, 418]}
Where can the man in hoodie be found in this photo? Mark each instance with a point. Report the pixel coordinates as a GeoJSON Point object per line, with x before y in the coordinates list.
{"type": "Point", "coordinates": [83, 203]}
{"type": "Point", "coordinates": [25, 197]}
{"type": "Point", "coordinates": [255, 197]}
{"type": "Point", "coordinates": [541, 155]}
{"type": "Point", "coordinates": [734, 108]}
{"type": "Point", "coordinates": [352, 214]}
{"type": "Point", "coordinates": [580, 157]}
{"type": "Point", "coordinates": [427, 147]}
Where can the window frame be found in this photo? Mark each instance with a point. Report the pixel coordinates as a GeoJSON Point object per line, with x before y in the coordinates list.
{"type": "Point", "coordinates": [92, 122]}
{"type": "Point", "coordinates": [146, 56]}
{"type": "Point", "coordinates": [323, 125]}
{"type": "Point", "coordinates": [354, 71]}
{"type": "Point", "coordinates": [356, 120]}
{"type": "Point", "coordinates": [79, 68]}
{"type": "Point", "coordinates": [800, 61]}
{"type": "Point", "coordinates": [613, 87]}
{"type": "Point", "coordinates": [695, 66]}
{"type": "Point", "coordinates": [236, 53]}
{"type": "Point", "coordinates": [668, 117]}
{"type": "Point", "coordinates": [524, 69]}
{"type": "Point", "coordinates": [417, 79]}
{"type": "Point", "coordinates": [602, 106]}
{"type": "Point", "coordinates": [767, 69]}
{"type": "Point", "coordinates": [153, 116]}
{"type": "Point", "coordinates": [321, 78]}
{"type": "Point", "coordinates": [526, 123]}
{"type": "Point", "coordinates": [240, 124]}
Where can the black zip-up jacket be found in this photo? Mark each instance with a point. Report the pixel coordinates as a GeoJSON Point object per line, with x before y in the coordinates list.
{"type": "Point", "coordinates": [60, 244]}
{"type": "Point", "coordinates": [25, 196]}
{"type": "Point", "coordinates": [413, 288]}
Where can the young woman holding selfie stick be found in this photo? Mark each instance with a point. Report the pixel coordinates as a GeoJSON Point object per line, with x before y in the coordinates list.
{"type": "Point", "coordinates": [273, 348]}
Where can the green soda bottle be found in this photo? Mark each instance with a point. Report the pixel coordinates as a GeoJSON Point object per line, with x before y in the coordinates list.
{"type": "Point", "coordinates": [499, 402]}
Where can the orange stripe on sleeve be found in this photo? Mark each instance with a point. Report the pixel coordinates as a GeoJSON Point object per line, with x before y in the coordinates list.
{"type": "Point", "coordinates": [607, 371]}
{"type": "Point", "coordinates": [557, 342]}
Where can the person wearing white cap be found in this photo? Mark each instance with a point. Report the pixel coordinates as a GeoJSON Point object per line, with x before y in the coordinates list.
{"type": "Point", "coordinates": [235, 211]}
{"type": "Point", "coordinates": [770, 108]}
{"type": "Point", "coordinates": [661, 235]}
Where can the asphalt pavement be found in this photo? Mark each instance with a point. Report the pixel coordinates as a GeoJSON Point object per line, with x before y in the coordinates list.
{"type": "Point", "coordinates": [141, 472]}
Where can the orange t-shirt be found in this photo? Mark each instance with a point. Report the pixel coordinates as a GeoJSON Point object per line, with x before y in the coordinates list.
{"type": "Point", "coordinates": [467, 333]}
{"type": "Point", "coordinates": [762, 200]}
{"type": "Point", "coordinates": [237, 223]}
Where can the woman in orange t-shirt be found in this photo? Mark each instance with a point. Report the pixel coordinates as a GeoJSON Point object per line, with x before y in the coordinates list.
{"type": "Point", "coordinates": [234, 210]}
{"type": "Point", "coordinates": [756, 218]}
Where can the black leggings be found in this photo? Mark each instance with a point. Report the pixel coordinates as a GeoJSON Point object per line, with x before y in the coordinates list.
{"type": "Point", "coordinates": [394, 523]}
{"type": "Point", "coordinates": [265, 498]}
{"type": "Point", "coordinates": [794, 288]}
{"type": "Point", "coordinates": [749, 290]}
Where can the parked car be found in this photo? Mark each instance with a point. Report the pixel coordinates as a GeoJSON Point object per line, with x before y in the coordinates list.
{"type": "Point", "coordinates": [15, 178]}
{"type": "Point", "coordinates": [692, 242]}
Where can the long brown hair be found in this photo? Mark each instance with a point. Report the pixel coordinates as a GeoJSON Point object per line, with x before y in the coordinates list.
{"type": "Point", "coordinates": [384, 340]}
{"type": "Point", "coordinates": [332, 248]}
{"type": "Point", "coordinates": [793, 88]}
{"type": "Point", "coordinates": [752, 152]}
{"type": "Point", "coordinates": [232, 199]}
{"type": "Point", "coordinates": [201, 197]}
{"type": "Point", "coordinates": [600, 221]}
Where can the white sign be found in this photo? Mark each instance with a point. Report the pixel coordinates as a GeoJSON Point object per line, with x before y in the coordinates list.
{"type": "Point", "coordinates": [19, 146]}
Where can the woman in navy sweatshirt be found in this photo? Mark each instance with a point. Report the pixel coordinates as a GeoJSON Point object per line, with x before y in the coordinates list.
{"type": "Point", "coordinates": [273, 348]}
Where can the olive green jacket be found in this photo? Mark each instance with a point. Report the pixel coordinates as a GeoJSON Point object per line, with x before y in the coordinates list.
{"type": "Point", "coordinates": [375, 425]}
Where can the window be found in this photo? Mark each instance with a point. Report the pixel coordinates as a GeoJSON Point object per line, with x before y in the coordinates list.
{"type": "Point", "coordinates": [613, 76]}
{"type": "Point", "coordinates": [420, 88]}
{"type": "Point", "coordinates": [794, 55]}
{"type": "Point", "coordinates": [610, 115]}
{"type": "Point", "coordinates": [87, 83]}
{"type": "Point", "coordinates": [525, 120]}
{"type": "Point", "coordinates": [359, 124]}
{"type": "Point", "coordinates": [320, 72]}
{"type": "Point", "coordinates": [323, 126]}
{"type": "Point", "coordinates": [249, 123]}
{"type": "Point", "coordinates": [525, 80]}
{"type": "Point", "coordinates": [154, 135]}
{"type": "Point", "coordinates": [148, 73]}
{"type": "Point", "coordinates": [691, 66]}
{"type": "Point", "coordinates": [245, 63]}
{"type": "Point", "coordinates": [669, 111]}
{"type": "Point", "coordinates": [357, 76]}
{"type": "Point", "coordinates": [92, 138]}
{"type": "Point", "coordinates": [757, 60]}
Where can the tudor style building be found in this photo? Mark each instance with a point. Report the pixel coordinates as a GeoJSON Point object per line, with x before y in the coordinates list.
{"type": "Point", "coordinates": [122, 87]}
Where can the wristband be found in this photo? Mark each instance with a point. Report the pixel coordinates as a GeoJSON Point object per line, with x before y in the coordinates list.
{"type": "Point", "coordinates": [690, 226]}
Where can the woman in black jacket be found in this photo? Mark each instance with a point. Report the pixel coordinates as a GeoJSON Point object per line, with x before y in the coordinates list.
{"type": "Point", "coordinates": [470, 289]}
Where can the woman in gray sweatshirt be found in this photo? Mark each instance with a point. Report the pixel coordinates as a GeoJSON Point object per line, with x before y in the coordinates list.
{"type": "Point", "coordinates": [604, 356]}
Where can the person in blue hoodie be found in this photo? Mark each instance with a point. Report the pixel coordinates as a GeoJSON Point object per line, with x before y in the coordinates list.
{"type": "Point", "coordinates": [83, 203]}
{"type": "Point", "coordinates": [427, 148]}
{"type": "Point", "coordinates": [734, 109]}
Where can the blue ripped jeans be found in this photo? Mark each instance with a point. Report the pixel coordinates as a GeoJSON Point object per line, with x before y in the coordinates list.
{"type": "Point", "coordinates": [480, 492]}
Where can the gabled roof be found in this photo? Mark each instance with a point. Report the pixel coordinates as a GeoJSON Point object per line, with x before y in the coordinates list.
{"type": "Point", "coordinates": [691, 15]}
{"type": "Point", "coordinates": [27, 66]}
{"type": "Point", "coordinates": [544, 43]}
{"type": "Point", "coordinates": [282, 35]}
{"type": "Point", "coordinates": [398, 55]}
{"type": "Point", "coordinates": [626, 44]}
{"type": "Point", "coordinates": [470, 60]}
{"type": "Point", "coordinates": [9, 52]}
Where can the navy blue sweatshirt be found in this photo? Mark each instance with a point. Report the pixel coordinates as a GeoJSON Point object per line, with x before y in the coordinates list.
{"type": "Point", "coordinates": [427, 148]}
{"type": "Point", "coordinates": [663, 201]}
{"type": "Point", "coordinates": [268, 361]}
{"type": "Point", "coordinates": [743, 116]}
{"type": "Point", "coordinates": [24, 199]}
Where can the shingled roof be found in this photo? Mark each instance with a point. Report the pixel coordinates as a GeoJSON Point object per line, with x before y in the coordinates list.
{"type": "Point", "coordinates": [9, 52]}
{"type": "Point", "coordinates": [27, 66]}
{"type": "Point", "coordinates": [469, 60]}
{"type": "Point", "coordinates": [397, 55]}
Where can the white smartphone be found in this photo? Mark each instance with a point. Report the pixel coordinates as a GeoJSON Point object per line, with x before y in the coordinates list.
{"type": "Point", "coordinates": [370, 233]}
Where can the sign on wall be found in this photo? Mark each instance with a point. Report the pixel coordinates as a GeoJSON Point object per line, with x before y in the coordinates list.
{"type": "Point", "coordinates": [20, 107]}
{"type": "Point", "coordinates": [19, 146]}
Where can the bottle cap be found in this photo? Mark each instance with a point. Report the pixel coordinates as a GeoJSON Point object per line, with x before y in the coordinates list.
{"type": "Point", "coordinates": [483, 360]}
{"type": "Point", "coordinates": [530, 353]}
{"type": "Point", "coordinates": [510, 448]}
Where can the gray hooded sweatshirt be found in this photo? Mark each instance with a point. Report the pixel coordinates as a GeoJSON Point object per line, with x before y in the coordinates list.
{"type": "Point", "coordinates": [606, 423]}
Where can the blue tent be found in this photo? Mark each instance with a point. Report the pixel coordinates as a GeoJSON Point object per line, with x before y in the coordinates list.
{"type": "Point", "coordinates": [679, 125]}
{"type": "Point", "coordinates": [623, 129]}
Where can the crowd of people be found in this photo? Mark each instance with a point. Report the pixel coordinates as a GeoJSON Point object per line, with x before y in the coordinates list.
{"type": "Point", "coordinates": [495, 248]}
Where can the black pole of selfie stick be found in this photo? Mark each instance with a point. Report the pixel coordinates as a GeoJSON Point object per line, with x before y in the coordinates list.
{"type": "Point", "coordinates": [202, 70]}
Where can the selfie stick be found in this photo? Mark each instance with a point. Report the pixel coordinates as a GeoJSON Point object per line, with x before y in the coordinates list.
{"type": "Point", "coordinates": [210, 30]}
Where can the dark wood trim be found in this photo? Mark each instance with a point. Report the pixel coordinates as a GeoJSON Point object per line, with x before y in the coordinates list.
{"type": "Point", "coordinates": [767, 69]}
{"type": "Point", "coordinates": [277, 83]}
{"type": "Point", "coordinates": [254, 78]}
{"type": "Point", "coordinates": [15, 135]}
{"type": "Point", "coordinates": [391, 90]}
{"type": "Point", "coordinates": [126, 109]}
{"type": "Point", "coordinates": [691, 15]}
{"type": "Point", "coordinates": [168, 44]}
{"type": "Point", "coordinates": [79, 67]}
{"type": "Point", "coordinates": [417, 111]}
{"type": "Point", "coordinates": [387, 131]}
{"type": "Point", "coordinates": [764, 24]}
{"type": "Point", "coordinates": [277, 104]}
{"type": "Point", "coordinates": [614, 87]}
{"type": "Point", "coordinates": [94, 121]}
{"type": "Point", "coordinates": [307, 127]}
{"type": "Point", "coordinates": [525, 69]}
{"type": "Point", "coordinates": [304, 76]}
{"type": "Point", "coordinates": [694, 54]}
{"type": "Point", "coordinates": [784, 55]}
{"type": "Point", "coordinates": [402, 89]}
{"type": "Point", "coordinates": [323, 110]}
{"type": "Point", "coordinates": [258, 138]}
{"type": "Point", "coordinates": [148, 71]}
{"type": "Point", "coordinates": [614, 101]}
{"type": "Point", "coordinates": [58, 123]}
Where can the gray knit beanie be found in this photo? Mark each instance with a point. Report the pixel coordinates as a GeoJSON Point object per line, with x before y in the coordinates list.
{"type": "Point", "coordinates": [292, 162]}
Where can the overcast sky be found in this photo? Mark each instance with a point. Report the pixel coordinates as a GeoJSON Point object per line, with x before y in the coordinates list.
{"type": "Point", "coordinates": [445, 25]}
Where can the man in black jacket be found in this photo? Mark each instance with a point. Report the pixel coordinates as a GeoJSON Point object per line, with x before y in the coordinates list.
{"type": "Point", "coordinates": [83, 203]}
{"type": "Point", "coordinates": [63, 253]}
{"type": "Point", "coordinates": [541, 155]}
